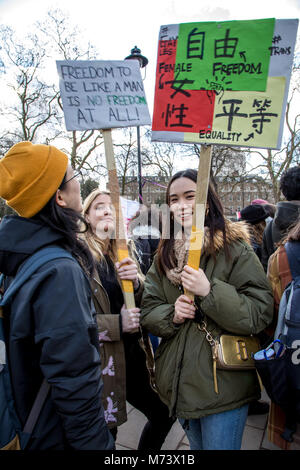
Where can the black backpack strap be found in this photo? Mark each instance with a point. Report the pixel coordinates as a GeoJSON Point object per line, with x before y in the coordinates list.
{"type": "Point", "coordinates": [269, 238]}
{"type": "Point", "coordinates": [30, 266]}
{"type": "Point", "coordinates": [37, 407]}
{"type": "Point", "coordinates": [293, 253]}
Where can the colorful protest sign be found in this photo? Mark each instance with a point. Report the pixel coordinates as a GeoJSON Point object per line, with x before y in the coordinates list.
{"type": "Point", "coordinates": [224, 83]}
{"type": "Point", "coordinates": [102, 94]}
{"type": "Point", "coordinates": [235, 49]}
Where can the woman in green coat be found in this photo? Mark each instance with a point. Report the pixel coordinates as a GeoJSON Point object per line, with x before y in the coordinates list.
{"type": "Point", "coordinates": [232, 295]}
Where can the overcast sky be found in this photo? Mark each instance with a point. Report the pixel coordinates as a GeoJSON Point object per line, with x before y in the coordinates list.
{"type": "Point", "coordinates": [116, 26]}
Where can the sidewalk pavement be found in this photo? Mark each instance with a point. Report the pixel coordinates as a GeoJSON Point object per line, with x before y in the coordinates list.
{"type": "Point", "coordinates": [254, 438]}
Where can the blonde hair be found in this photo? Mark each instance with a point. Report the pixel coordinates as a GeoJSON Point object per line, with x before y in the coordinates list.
{"type": "Point", "coordinates": [97, 245]}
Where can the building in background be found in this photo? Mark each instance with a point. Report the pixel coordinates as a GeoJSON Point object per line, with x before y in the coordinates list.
{"type": "Point", "coordinates": [238, 193]}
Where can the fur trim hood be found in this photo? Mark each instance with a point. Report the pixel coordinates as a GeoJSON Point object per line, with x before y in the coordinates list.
{"type": "Point", "coordinates": [234, 231]}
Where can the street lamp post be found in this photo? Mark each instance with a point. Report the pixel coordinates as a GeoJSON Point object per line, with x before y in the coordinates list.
{"type": "Point", "coordinates": [143, 61]}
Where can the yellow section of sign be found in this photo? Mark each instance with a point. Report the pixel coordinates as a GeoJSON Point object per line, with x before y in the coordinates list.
{"type": "Point", "coordinates": [122, 253]}
{"type": "Point", "coordinates": [245, 118]}
{"type": "Point", "coordinates": [127, 286]}
{"type": "Point", "coordinates": [196, 241]}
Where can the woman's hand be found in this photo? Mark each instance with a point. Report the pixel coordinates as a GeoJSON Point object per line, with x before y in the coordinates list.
{"type": "Point", "coordinates": [130, 319]}
{"type": "Point", "coordinates": [184, 309]}
{"type": "Point", "coordinates": [127, 271]}
{"type": "Point", "coordinates": [195, 281]}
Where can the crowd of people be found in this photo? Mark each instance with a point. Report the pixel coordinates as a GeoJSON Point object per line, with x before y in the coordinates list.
{"type": "Point", "coordinates": [69, 324]}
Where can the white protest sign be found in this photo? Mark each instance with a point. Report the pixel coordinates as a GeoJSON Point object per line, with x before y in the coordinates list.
{"type": "Point", "coordinates": [129, 209]}
{"type": "Point", "coordinates": [101, 94]}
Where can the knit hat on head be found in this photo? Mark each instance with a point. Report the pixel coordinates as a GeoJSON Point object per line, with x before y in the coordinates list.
{"type": "Point", "coordinates": [259, 201]}
{"type": "Point", "coordinates": [30, 174]}
{"type": "Point", "coordinates": [254, 214]}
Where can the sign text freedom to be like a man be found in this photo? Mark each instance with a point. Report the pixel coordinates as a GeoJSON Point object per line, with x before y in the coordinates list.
{"type": "Point", "coordinates": [102, 94]}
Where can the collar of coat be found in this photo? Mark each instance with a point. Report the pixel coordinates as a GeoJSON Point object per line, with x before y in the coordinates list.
{"type": "Point", "coordinates": [234, 231]}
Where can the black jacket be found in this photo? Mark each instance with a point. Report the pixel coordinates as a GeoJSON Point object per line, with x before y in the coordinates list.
{"type": "Point", "coordinates": [52, 333]}
{"type": "Point", "coordinates": [146, 240]}
{"type": "Point", "coordinates": [256, 247]}
{"type": "Point", "coordinates": [287, 212]}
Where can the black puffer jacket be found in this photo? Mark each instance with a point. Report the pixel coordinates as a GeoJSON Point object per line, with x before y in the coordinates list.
{"type": "Point", "coordinates": [52, 333]}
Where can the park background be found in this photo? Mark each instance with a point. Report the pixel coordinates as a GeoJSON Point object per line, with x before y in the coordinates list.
{"type": "Point", "coordinates": [33, 35]}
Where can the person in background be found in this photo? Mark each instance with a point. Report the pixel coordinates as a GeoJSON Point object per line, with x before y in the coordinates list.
{"type": "Point", "coordinates": [145, 230]}
{"type": "Point", "coordinates": [260, 202]}
{"type": "Point", "coordinates": [270, 208]}
{"type": "Point", "coordinates": [232, 295]}
{"type": "Point", "coordinates": [287, 212]}
{"type": "Point", "coordinates": [125, 373]}
{"type": "Point", "coordinates": [255, 216]}
{"type": "Point", "coordinates": [51, 325]}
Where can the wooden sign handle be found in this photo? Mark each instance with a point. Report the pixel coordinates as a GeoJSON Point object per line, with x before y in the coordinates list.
{"type": "Point", "coordinates": [113, 184]}
{"type": "Point", "coordinates": [197, 232]}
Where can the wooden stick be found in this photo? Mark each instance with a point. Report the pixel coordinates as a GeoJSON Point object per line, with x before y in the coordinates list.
{"type": "Point", "coordinates": [197, 232]}
{"type": "Point", "coordinates": [113, 184]}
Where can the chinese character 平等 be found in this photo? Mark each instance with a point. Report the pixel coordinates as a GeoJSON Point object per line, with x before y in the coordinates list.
{"type": "Point", "coordinates": [232, 112]}
{"type": "Point", "coordinates": [261, 115]}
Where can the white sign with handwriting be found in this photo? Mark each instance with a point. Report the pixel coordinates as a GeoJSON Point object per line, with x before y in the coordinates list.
{"type": "Point", "coordinates": [100, 94]}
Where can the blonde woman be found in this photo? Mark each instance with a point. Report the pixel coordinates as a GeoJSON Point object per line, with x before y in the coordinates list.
{"type": "Point", "coordinates": [125, 374]}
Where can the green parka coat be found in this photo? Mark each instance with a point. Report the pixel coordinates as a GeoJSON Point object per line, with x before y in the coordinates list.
{"type": "Point", "coordinates": [240, 302]}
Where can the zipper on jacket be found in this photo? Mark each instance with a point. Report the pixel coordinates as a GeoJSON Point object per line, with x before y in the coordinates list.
{"type": "Point", "coordinates": [214, 349]}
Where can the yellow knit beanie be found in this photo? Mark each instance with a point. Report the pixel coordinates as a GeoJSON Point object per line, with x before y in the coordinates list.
{"type": "Point", "coordinates": [30, 174]}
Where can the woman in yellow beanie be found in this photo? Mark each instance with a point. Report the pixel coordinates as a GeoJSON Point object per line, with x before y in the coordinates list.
{"type": "Point", "coordinates": [50, 326]}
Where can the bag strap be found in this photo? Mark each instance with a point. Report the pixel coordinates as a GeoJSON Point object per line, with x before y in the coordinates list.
{"type": "Point", "coordinates": [283, 269]}
{"type": "Point", "coordinates": [293, 253]}
{"type": "Point", "coordinates": [269, 238]}
{"type": "Point", "coordinates": [30, 266]}
{"type": "Point", "coordinates": [37, 407]}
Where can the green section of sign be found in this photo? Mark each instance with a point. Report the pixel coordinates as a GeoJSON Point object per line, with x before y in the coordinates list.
{"type": "Point", "coordinates": [229, 55]}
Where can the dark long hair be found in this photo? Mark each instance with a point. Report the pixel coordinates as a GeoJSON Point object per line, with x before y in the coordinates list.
{"type": "Point", "coordinates": [65, 221]}
{"type": "Point", "coordinates": [214, 220]}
